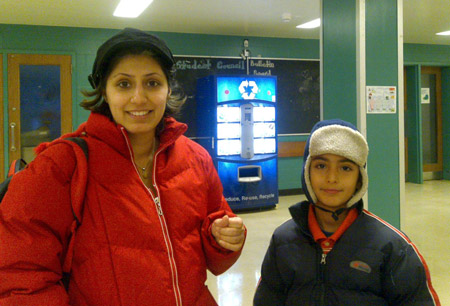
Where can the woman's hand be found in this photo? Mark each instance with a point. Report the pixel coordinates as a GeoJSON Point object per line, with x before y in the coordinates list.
{"type": "Point", "coordinates": [229, 232]}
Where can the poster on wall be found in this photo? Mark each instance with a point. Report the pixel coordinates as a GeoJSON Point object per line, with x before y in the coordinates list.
{"type": "Point", "coordinates": [425, 95]}
{"type": "Point", "coordinates": [381, 99]}
{"type": "Point", "coordinates": [298, 87]}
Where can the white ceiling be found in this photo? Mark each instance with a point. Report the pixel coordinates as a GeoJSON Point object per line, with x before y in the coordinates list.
{"type": "Point", "coordinates": [422, 18]}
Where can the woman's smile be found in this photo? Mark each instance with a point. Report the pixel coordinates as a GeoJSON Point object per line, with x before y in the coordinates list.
{"type": "Point", "coordinates": [139, 114]}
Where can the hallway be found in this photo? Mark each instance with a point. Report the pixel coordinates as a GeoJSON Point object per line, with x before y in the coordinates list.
{"type": "Point", "coordinates": [426, 221]}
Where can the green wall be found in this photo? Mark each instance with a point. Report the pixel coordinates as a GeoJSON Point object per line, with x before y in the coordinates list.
{"type": "Point", "coordinates": [340, 88]}
{"type": "Point", "coordinates": [413, 125]}
{"type": "Point", "coordinates": [339, 54]}
{"type": "Point", "coordinates": [82, 43]}
{"type": "Point", "coordinates": [382, 129]}
{"type": "Point", "coordinates": [446, 121]}
{"type": "Point", "coordinates": [427, 55]}
{"type": "Point", "coordinates": [415, 56]}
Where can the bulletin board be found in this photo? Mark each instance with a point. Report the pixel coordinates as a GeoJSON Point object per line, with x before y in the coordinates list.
{"type": "Point", "coordinates": [298, 82]}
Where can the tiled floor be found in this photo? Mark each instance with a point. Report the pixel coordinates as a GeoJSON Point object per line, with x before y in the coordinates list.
{"type": "Point", "coordinates": [426, 221]}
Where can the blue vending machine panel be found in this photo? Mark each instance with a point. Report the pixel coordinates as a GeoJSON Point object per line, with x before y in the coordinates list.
{"type": "Point", "coordinates": [232, 88]}
{"type": "Point", "coordinates": [236, 116]}
{"type": "Point", "coordinates": [249, 185]}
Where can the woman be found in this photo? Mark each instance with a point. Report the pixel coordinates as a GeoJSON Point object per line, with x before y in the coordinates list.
{"type": "Point", "coordinates": [154, 217]}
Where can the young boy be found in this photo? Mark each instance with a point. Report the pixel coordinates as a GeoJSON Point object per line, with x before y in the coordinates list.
{"type": "Point", "coordinates": [332, 251]}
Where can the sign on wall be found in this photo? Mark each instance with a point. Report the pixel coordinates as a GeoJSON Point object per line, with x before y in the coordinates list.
{"type": "Point", "coordinates": [381, 99]}
{"type": "Point", "coordinates": [298, 82]}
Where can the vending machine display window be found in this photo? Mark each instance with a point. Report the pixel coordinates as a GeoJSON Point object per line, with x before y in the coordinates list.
{"type": "Point", "coordinates": [264, 129]}
{"type": "Point", "coordinates": [264, 145]}
{"type": "Point", "coordinates": [228, 147]}
{"type": "Point", "coordinates": [228, 130]}
{"type": "Point", "coordinates": [227, 113]}
{"type": "Point", "coordinates": [261, 113]}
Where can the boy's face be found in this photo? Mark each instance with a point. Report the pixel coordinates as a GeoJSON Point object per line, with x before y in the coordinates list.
{"type": "Point", "coordinates": [334, 180]}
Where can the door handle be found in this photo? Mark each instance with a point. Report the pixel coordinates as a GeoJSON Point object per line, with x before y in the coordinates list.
{"type": "Point", "coordinates": [13, 148]}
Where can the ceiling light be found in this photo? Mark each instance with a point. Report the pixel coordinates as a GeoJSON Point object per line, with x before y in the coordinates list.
{"type": "Point", "coordinates": [131, 8]}
{"type": "Point", "coordinates": [310, 25]}
{"type": "Point", "coordinates": [286, 17]}
{"type": "Point", "coordinates": [443, 33]}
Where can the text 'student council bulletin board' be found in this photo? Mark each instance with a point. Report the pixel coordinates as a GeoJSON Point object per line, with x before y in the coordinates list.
{"type": "Point", "coordinates": [298, 82]}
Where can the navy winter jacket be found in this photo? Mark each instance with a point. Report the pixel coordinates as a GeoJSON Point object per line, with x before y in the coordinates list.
{"type": "Point", "coordinates": [371, 264]}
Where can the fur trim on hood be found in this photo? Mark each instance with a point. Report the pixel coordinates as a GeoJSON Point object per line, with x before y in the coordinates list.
{"type": "Point", "coordinates": [340, 138]}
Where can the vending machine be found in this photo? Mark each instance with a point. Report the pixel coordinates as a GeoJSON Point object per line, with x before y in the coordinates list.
{"type": "Point", "coordinates": [236, 123]}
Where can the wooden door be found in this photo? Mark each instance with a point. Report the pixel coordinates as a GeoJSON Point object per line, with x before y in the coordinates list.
{"type": "Point", "coordinates": [431, 104]}
{"type": "Point", "coordinates": [39, 101]}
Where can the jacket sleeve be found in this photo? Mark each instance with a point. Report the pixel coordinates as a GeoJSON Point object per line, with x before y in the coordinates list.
{"type": "Point", "coordinates": [35, 221]}
{"type": "Point", "coordinates": [271, 289]}
{"type": "Point", "coordinates": [407, 280]}
{"type": "Point", "coordinates": [218, 259]}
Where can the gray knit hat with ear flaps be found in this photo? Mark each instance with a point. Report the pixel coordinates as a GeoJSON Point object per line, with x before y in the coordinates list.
{"type": "Point", "coordinates": [340, 138]}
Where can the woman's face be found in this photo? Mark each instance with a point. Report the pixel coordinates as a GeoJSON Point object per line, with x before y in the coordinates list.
{"type": "Point", "coordinates": [136, 92]}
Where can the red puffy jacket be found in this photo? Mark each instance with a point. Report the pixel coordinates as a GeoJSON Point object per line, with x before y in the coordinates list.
{"type": "Point", "coordinates": [130, 249]}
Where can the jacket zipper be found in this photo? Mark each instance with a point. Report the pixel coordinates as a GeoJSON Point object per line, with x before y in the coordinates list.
{"type": "Point", "coordinates": [162, 221]}
{"type": "Point", "coordinates": [322, 264]}
{"type": "Point", "coordinates": [323, 261]}
{"type": "Point", "coordinates": [158, 206]}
